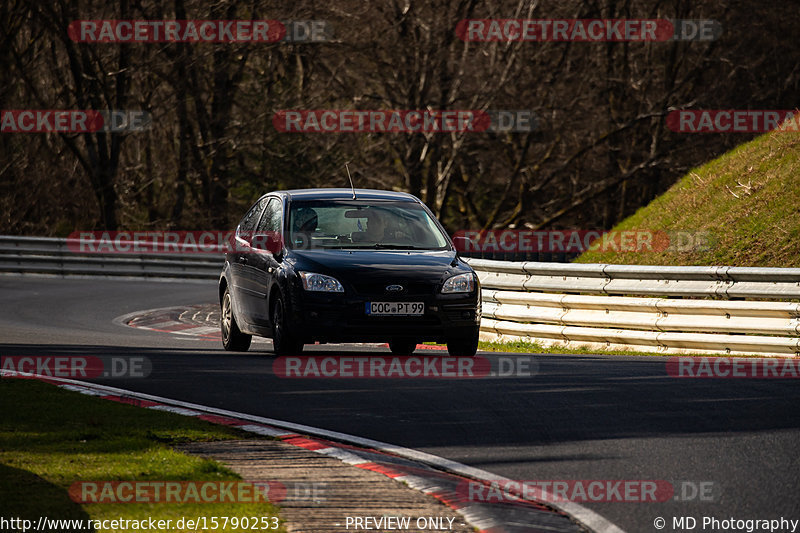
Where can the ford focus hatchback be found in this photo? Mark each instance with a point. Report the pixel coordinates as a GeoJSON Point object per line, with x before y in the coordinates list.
{"type": "Point", "coordinates": [342, 265]}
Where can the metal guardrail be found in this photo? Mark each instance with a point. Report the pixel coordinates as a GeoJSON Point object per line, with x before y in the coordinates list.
{"type": "Point", "coordinates": [646, 308]}
{"type": "Point", "coordinates": [62, 257]}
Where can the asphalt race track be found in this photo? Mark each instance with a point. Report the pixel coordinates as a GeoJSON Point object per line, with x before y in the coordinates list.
{"type": "Point", "coordinates": [578, 418]}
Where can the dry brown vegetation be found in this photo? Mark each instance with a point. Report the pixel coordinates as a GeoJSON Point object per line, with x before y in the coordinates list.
{"type": "Point", "coordinates": [746, 202]}
{"type": "Point", "coordinates": [602, 149]}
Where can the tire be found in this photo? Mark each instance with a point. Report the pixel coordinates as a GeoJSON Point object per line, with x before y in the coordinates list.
{"type": "Point", "coordinates": [233, 339]}
{"type": "Point", "coordinates": [466, 346]}
{"type": "Point", "coordinates": [402, 347]}
{"type": "Point", "coordinates": [283, 341]}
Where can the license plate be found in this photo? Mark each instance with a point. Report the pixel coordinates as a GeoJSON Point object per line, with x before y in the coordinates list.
{"type": "Point", "coordinates": [395, 308]}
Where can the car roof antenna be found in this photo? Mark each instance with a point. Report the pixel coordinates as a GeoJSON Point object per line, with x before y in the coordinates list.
{"type": "Point", "coordinates": [351, 181]}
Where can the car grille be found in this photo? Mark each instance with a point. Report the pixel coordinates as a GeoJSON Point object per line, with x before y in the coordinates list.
{"type": "Point", "coordinates": [379, 289]}
{"type": "Point", "coordinates": [389, 321]}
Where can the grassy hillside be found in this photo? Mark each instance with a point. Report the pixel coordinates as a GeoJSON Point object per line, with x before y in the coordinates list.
{"type": "Point", "coordinates": [747, 202]}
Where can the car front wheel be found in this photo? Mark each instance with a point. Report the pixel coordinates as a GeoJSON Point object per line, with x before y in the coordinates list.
{"type": "Point", "coordinates": [233, 339]}
{"type": "Point", "coordinates": [283, 342]}
{"type": "Point", "coordinates": [402, 347]}
{"type": "Point", "coordinates": [466, 346]}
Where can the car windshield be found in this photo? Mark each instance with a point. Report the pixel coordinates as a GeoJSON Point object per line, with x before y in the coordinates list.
{"type": "Point", "coordinates": [377, 225]}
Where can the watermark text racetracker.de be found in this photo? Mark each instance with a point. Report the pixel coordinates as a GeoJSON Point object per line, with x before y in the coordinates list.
{"type": "Point", "coordinates": [405, 367]}
{"type": "Point", "coordinates": [579, 241]}
{"type": "Point", "coordinates": [174, 492]}
{"type": "Point", "coordinates": [733, 368]}
{"type": "Point", "coordinates": [160, 242]}
{"type": "Point", "coordinates": [73, 121]}
{"type": "Point", "coordinates": [173, 242]}
{"type": "Point", "coordinates": [75, 366]}
{"type": "Point", "coordinates": [588, 30]}
{"type": "Point", "coordinates": [199, 31]}
{"type": "Point", "coordinates": [468, 241]}
{"type": "Point", "coordinates": [403, 121]}
{"type": "Point", "coordinates": [586, 491]}
{"type": "Point", "coordinates": [733, 120]}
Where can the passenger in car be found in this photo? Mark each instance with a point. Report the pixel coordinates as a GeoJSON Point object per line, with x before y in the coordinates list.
{"type": "Point", "coordinates": [305, 220]}
{"type": "Point", "coordinates": [304, 224]}
{"type": "Point", "coordinates": [376, 226]}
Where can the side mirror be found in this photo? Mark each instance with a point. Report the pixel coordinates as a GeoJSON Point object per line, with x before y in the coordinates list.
{"type": "Point", "coordinates": [465, 245]}
{"type": "Point", "coordinates": [271, 241]}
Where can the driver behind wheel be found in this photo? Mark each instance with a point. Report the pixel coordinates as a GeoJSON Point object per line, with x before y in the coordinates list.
{"type": "Point", "coordinates": [304, 223]}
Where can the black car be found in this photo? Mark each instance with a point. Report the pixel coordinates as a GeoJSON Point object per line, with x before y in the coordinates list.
{"type": "Point", "coordinates": [342, 265]}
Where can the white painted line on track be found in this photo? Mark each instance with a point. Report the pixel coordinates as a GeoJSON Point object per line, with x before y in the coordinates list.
{"type": "Point", "coordinates": [587, 517]}
{"type": "Point", "coordinates": [83, 390]}
{"type": "Point", "coordinates": [344, 456]}
{"type": "Point", "coordinates": [176, 410]}
{"type": "Point", "coordinates": [267, 432]}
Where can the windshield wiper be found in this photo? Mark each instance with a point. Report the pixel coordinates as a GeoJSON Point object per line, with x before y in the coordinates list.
{"type": "Point", "coordinates": [382, 246]}
{"type": "Point", "coordinates": [375, 246]}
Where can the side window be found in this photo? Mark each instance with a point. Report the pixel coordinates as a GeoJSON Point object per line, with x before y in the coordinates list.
{"type": "Point", "coordinates": [248, 223]}
{"type": "Point", "coordinates": [271, 221]}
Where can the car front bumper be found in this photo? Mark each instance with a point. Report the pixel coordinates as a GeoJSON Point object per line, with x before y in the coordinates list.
{"type": "Point", "coordinates": [328, 317]}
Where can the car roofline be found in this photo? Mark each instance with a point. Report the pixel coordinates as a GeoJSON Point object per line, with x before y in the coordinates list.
{"type": "Point", "coordinates": [345, 194]}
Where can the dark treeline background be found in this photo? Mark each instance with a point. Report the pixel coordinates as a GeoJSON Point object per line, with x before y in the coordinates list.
{"type": "Point", "coordinates": [602, 148]}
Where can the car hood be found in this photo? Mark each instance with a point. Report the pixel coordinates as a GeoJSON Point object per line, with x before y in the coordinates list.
{"type": "Point", "coordinates": [356, 266]}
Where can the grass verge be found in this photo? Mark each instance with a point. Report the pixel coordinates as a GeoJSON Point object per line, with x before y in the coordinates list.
{"type": "Point", "coordinates": [51, 438]}
{"type": "Point", "coordinates": [739, 209]}
{"type": "Point", "coordinates": [533, 347]}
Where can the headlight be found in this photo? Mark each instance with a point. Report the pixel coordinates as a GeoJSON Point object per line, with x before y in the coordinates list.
{"type": "Point", "coordinates": [320, 282]}
{"type": "Point", "coordinates": [459, 283]}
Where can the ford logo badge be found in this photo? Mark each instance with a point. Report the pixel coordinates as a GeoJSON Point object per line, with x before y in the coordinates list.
{"type": "Point", "coordinates": [394, 288]}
